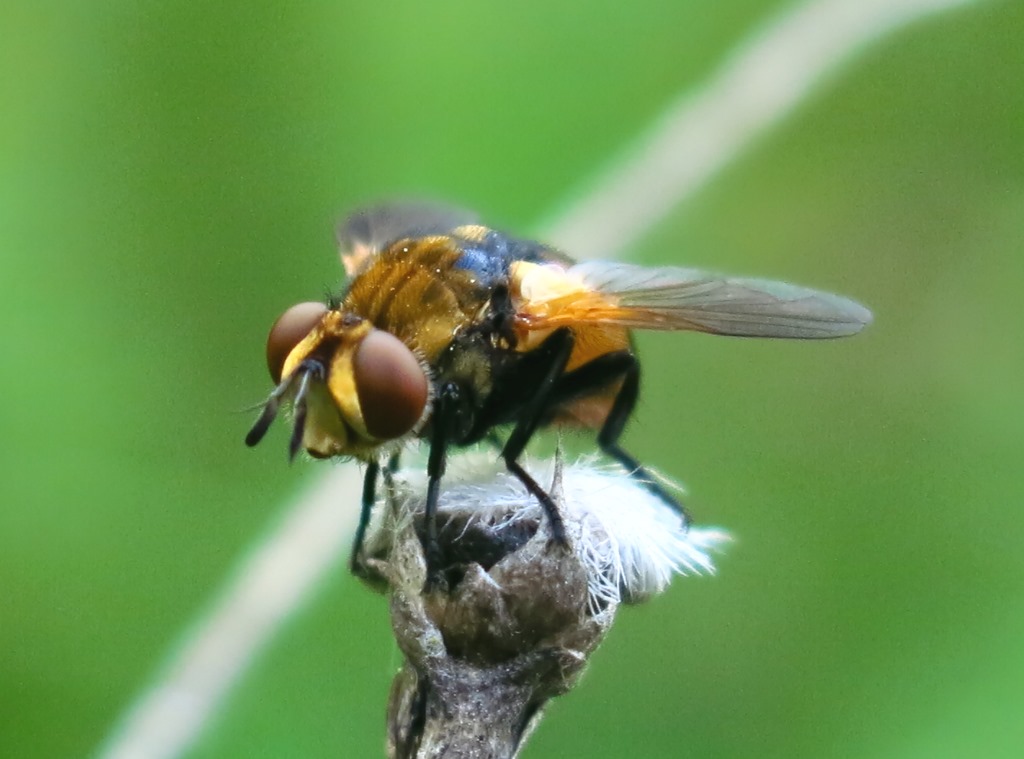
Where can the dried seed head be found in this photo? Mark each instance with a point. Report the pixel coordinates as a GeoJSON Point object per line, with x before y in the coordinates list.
{"type": "Point", "coordinates": [520, 615]}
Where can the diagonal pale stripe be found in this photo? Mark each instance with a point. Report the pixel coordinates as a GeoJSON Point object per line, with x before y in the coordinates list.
{"type": "Point", "coordinates": [272, 581]}
{"type": "Point", "coordinates": [764, 80]}
{"type": "Point", "coordinates": [755, 89]}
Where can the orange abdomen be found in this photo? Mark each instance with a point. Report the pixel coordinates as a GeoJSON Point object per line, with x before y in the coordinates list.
{"type": "Point", "coordinates": [592, 342]}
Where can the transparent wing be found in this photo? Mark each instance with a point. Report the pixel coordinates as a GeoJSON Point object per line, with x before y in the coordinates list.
{"type": "Point", "coordinates": [671, 298]}
{"type": "Point", "coordinates": [368, 230]}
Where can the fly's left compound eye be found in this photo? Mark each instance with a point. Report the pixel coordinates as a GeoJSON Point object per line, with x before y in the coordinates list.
{"type": "Point", "coordinates": [391, 384]}
{"type": "Point", "coordinates": [289, 329]}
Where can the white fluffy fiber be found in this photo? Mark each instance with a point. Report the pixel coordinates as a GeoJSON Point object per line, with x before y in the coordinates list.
{"type": "Point", "coordinates": [631, 541]}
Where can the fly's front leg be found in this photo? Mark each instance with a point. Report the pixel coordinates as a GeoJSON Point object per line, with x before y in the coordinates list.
{"type": "Point", "coordinates": [555, 352]}
{"type": "Point", "coordinates": [369, 498]}
{"type": "Point", "coordinates": [387, 472]}
{"type": "Point", "coordinates": [445, 409]}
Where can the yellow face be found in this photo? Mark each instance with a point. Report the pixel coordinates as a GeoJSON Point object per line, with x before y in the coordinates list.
{"type": "Point", "coordinates": [354, 388]}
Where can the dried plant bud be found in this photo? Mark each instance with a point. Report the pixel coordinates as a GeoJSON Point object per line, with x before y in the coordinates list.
{"type": "Point", "coordinates": [520, 615]}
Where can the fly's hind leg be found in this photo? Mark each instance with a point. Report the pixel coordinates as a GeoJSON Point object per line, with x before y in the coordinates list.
{"type": "Point", "coordinates": [604, 370]}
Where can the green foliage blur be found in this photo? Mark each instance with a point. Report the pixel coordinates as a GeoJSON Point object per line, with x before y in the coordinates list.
{"type": "Point", "coordinates": [170, 176]}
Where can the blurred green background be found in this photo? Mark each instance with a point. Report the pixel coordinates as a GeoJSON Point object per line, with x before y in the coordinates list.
{"type": "Point", "coordinates": [170, 175]}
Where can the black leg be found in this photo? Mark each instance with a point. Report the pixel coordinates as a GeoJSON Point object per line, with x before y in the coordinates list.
{"type": "Point", "coordinates": [446, 406]}
{"type": "Point", "coordinates": [369, 498]}
{"type": "Point", "coordinates": [387, 473]}
{"type": "Point", "coordinates": [611, 367]}
{"type": "Point", "coordinates": [555, 351]}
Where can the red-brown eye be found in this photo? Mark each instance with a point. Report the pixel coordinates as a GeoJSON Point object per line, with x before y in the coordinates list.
{"type": "Point", "coordinates": [391, 384]}
{"type": "Point", "coordinates": [290, 327]}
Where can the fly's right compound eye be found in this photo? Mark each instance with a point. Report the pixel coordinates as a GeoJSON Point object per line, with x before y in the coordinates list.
{"type": "Point", "coordinates": [288, 331]}
{"type": "Point", "coordinates": [391, 385]}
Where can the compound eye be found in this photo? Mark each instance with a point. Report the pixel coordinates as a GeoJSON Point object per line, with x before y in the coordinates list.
{"type": "Point", "coordinates": [391, 385]}
{"type": "Point", "coordinates": [289, 329]}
